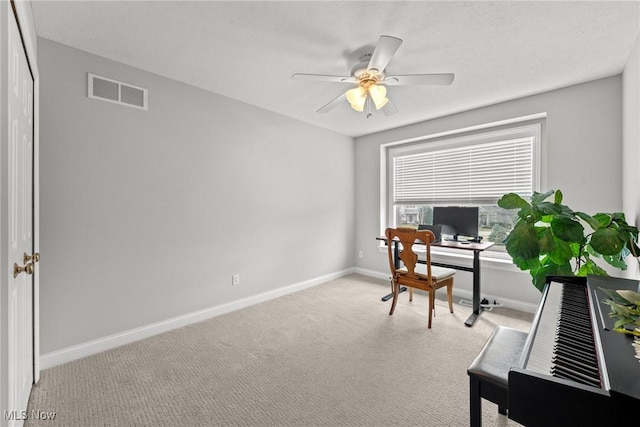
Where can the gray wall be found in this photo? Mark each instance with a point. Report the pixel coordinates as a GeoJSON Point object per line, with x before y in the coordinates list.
{"type": "Point", "coordinates": [582, 157]}
{"type": "Point", "coordinates": [145, 215]}
{"type": "Point", "coordinates": [631, 147]}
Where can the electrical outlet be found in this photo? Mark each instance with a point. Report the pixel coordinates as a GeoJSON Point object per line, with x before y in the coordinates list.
{"type": "Point", "coordinates": [235, 279]}
{"type": "Point", "coordinates": [360, 254]}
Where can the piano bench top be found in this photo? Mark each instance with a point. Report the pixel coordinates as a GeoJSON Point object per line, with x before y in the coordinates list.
{"type": "Point", "coordinates": [500, 353]}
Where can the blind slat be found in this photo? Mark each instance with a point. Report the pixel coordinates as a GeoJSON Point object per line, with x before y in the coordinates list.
{"type": "Point", "coordinates": [468, 174]}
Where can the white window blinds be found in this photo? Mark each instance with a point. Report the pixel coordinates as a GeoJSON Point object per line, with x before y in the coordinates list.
{"type": "Point", "coordinates": [470, 174]}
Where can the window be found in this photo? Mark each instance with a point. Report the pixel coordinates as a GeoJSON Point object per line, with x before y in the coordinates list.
{"type": "Point", "coordinates": [470, 169]}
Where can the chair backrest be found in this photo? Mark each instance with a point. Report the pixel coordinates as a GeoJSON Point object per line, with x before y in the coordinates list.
{"type": "Point", "coordinates": [407, 237]}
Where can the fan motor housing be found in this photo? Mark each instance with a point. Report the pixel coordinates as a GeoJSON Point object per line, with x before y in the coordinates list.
{"type": "Point", "coordinates": [361, 72]}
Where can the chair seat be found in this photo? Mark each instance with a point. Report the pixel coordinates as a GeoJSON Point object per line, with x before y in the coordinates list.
{"type": "Point", "coordinates": [437, 273]}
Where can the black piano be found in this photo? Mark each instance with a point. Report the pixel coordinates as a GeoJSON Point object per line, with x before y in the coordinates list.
{"type": "Point", "coordinates": [575, 370]}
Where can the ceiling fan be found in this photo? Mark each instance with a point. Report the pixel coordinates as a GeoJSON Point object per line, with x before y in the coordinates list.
{"type": "Point", "coordinates": [370, 80]}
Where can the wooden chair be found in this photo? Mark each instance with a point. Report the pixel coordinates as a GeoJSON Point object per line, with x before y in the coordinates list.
{"type": "Point", "coordinates": [414, 275]}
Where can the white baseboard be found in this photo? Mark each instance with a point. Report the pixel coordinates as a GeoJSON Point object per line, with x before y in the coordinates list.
{"type": "Point", "coordinates": [372, 273]}
{"type": "Point", "coordinates": [79, 351]}
{"type": "Point", "coordinates": [462, 293]}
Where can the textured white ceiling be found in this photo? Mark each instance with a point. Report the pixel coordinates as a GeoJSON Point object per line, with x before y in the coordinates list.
{"type": "Point", "coordinates": [248, 50]}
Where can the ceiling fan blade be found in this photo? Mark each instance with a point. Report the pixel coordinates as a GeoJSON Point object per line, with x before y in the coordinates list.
{"type": "Point", "coordinates": [332, 104]}
{"type": "Point", "coordinates": [323, 78]}
{"type": "Point", "coordinates": [420, 79]}
{"type": "Point", "coordinates": [389, 108]}
{"type": "Point", "coordinates": [382, 54]}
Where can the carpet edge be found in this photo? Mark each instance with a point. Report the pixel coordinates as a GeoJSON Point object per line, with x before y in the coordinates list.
{"type": "Point", "coordinates": [89, 348]}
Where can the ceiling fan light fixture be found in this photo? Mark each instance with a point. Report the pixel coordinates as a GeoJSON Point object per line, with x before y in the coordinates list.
{"type": "Point", "coordinates": [378, 95]}
{"type": "Point", "coordinates": [357, 97]}
{"type": "Point", "coordinates": [368, 74]}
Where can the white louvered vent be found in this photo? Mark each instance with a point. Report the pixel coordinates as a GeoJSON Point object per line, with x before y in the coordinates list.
{"type": "Point", "coordinates": [111, 90]}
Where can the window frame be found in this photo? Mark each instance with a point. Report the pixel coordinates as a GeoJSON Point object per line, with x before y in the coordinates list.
{"type": "Point", "coordinates": [530, 126]}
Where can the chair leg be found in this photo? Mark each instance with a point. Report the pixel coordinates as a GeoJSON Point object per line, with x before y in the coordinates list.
{"type": "Point", "coordinates": [431, 303]}
{"type": "Point", "coordinates": [396, 288]}
{"type": "Point", "coordinates": [410, 294]}
{"type": "Point", "coordinates": [450, 296]}
{"type": "Point", "coordinates": [475, 401]}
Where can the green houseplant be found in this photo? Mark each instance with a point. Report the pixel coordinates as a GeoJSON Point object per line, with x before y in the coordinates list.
{"type": "Point", "coordinates": [625, 307]}
{"type": "Point", "coordinates": [549, 238]}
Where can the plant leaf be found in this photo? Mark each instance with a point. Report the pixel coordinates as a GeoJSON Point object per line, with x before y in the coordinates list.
{"type": "Point", "coordinates": [618, 217]}
{"type": "Point", "coordinates": [631, 296]}
{"type": "Point", "coordinates": [545, 239]}
{"type": "Point", "coordinates": [603, 219]}
{"type": "Point", "coordinates": [540, 197]}
{"type": "Point", "coordinates": [620, 323]}
{"type": "Point", "coordinates": [561, 252]}
{"type": "Point", "coordinates": [540, 276]}
{"type": "Point", "coordinates": [613, 296]}
{"type": "Point", "coordinates": [522, 241]}
{"type": "Point", "coordinates": [531, 264]}
{"type": "Point", "coordinates": [526, 214]}
{"type": "Point", "coordinates": [606, 241]}
{"type": "Point", "coordinates": [557, 199]}
{"type": "Point", "coordinates": [567, 229]}
{"type": "Point", "coordinates": [630, 228]}
{"type": "Point", "coordinates": [629, 234]}
{"type": "Point", "coordinates": [590, 267]}
{"type": "Point", "coordinates": [547, 208]}
{"type": "Point", "coordinates": [615, 261]}
{"type": "Point", "coordinates": [566, 212]}
{"type": "Point", "coordinates": [512, 201]}
{"type": "Point", "coordinates": [593, 223]}
{"type": "Point", "coordinates": [625, 331]}
{"type": "Point", "coordinates": [633, 248]}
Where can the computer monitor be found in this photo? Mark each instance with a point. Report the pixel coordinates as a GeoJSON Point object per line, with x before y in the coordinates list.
{"type": "Point", "coordinates": [457, 220]}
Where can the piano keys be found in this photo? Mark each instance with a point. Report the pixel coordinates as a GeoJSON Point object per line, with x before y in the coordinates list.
{"type": "Point", "coordinates": [575, 370]}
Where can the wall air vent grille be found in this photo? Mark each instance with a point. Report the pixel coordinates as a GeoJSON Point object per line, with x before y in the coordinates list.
{"type": "Point", "coordinates": [117, 92]}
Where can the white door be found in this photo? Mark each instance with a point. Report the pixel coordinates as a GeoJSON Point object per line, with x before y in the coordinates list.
{"type": "Point", "coordinates": [20, 226]}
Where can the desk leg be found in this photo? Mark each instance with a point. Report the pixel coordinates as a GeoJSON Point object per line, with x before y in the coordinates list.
{"type": "Point", "coordinates": [396, 261]}
{"type": "Point", "coordinates": [389, 296]}
{"type": "Point", "coordinates": [477, 309]}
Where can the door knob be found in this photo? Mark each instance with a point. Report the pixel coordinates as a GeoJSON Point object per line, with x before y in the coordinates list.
{"type": "Point", "coordinates": [27, 268]}
{"type": "Point", "coordinates": [35, 257]}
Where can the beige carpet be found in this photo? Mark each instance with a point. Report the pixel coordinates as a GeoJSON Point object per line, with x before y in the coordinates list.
{"type": "Point", "coordinates": [330, 355]}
